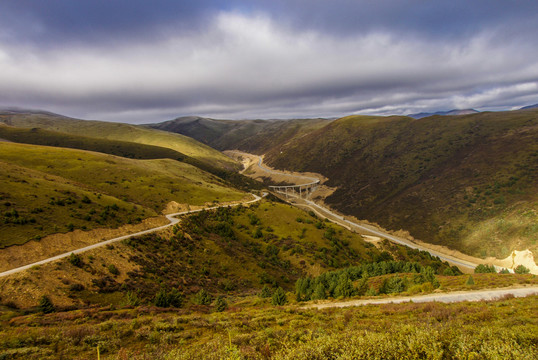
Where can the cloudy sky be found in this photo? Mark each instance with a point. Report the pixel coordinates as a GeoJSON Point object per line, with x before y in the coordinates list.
{"type": "Point", "coordinates": [147, 61]}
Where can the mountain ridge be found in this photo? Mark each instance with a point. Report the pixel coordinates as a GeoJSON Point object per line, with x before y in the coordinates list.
{"type": "Point", "coordinates": [444, 113]}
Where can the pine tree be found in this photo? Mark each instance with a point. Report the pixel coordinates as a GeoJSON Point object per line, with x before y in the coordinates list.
{"type": "Point", "coordinates": [362, 287]}
{"type": "Point", "coordinates": [429, 275]}
{"type": "Point", "coordinates": [345, 286]}
{"type": "Point", "coordinates": [221, 304]}
{"type": "Point", "coordinates": [319, 292]}
{"type": "Point", "coordinates": [202, 298]}
{"type": "Point", "coordinates": [175, 298]}
{"type": "Point", "coordinates": [470, 280]}
{"type": "Point", "coordinates": [266, 292]}
{"type": "Point", "coordinates": [302, 289]}
{"type": "Point", "coordinates": [45, 305]}
{"type": "Point", "coordinates": [521, 269]}
{"type": "Point", "coordinates": [279, 297]}
{"type": "Point", "coordinates": [161, 299]}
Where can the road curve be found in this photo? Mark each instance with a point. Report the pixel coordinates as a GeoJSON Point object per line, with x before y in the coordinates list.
{"type": "Point", "coordinates": [341, 220]}
{"type": "Point", "coordinates": [392, 238]}
{"type": "Point", "coordinates": [457, 296]}
{"type": "Point", "coordinates": [171, 217]}
{"type": "Point", "coordinates": [260, 165]}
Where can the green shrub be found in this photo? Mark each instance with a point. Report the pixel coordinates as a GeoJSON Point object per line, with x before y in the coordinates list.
{"type": "Point", "coordinates": [520, 269]}
{"type": "Point", "coordinates": [161, 299]}
{"type": "Point", "coordinates": [45, 305]}
{"type": "Point", "coordinates": [166, 299]}
{"type": "Point", "coordinates": [113, 269]}
{"type": "Point", "coordinates": [132, 299]}
{"type": "Point", "coordinates": [484, 269]}
{"type": "Point", "coordinates": [279, 297]}
{"type": "Point", "coordinates": [75, 260]}
{"type": "Point", "coordinates": [221, 304]}
{"type": "Point", "coordinates": [470, 280]}
{"type": "Point", "coordinates": [202, 297]}
{"type": "Point", "coordinates": [266, 292]}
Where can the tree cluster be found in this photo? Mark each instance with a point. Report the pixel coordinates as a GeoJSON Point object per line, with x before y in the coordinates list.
{"type": "Point", "coordinates": [339, 283]}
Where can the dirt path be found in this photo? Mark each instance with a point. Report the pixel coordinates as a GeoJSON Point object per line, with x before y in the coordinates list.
{"type": "Point", "coordinates": [172, 221]}
{"type": "Point", "coordinates": [457, 296]}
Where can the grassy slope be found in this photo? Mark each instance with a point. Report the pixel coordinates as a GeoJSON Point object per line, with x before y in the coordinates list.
{"type": "Point", "coordinates": [468, 182]}
{"type": "Point", "coordinates": [122, 132]}
{"type": "Point", "coordinates": [218, 251]}
{"type": "Point", "coordinates": [45, 186]}
{"type": "Point", "coordinates": [126, 149]}
{"type": "Point", "coordinates": [255, 136]}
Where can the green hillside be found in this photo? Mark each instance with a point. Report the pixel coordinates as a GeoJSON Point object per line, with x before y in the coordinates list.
{"type": "Point", "coordinates": [47, 190]}
{"type": "Point", "coordinates": [255, 136]}
{"type": "Point", "coordinates": [127, 149]}
{"type": "Point", "coordinates": [132, 150]}
{"type": "Point", "coordinates": [119, 131]}
{"type": "Point", "coordinates": [274, 243]}
{"type": "Point", "coordinates": [469, 182]}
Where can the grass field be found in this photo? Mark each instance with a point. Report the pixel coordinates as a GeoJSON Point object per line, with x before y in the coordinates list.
{"type": "Point", "coordinates": [252, 329]}
{"type": "Point", "coordinates": [47, 190]}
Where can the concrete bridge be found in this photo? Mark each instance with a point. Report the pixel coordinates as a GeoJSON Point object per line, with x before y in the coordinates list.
{"type": "Point", "coordinates": [296, 190]}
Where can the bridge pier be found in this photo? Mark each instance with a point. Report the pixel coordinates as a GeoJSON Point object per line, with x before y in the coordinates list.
{"type": "Point", "coordinates": [296, 189]}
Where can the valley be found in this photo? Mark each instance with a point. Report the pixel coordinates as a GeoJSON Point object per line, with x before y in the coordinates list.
{"type": "Point", "coordinates": [268, 180]}
{"type": "Point", "coordinates": [139, 246]}
{"type": "Point", "coordinates": [465, 262]}
{"type": "Point", "coordinates": [466, 182]}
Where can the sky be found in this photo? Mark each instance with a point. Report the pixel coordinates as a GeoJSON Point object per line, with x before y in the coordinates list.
{"type": "Point", "coordinates": [144, 61]}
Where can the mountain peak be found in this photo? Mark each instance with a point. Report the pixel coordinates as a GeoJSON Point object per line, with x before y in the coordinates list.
{"type": "Point", "coordinates": [529, 107]}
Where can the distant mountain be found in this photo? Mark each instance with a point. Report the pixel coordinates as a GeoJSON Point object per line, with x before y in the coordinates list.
{"type": "Point", "coordinates": [20, 111]}
{"type": "Point", "coordinates": [530, 107]}
{"type": "Point", "coordinates": [451, 112]}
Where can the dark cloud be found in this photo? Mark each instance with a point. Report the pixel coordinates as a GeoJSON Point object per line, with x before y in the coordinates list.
{"type": "Point", "coordinates": [143, 61]}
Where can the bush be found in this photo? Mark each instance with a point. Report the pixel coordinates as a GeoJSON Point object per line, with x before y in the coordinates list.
{"type": "Point", "coordinates": [75, 260]}
{"type": "Point", "coordinates": [132, 299]}
{"type": "Point", "coordinates": [45, 305]}
{"type": "Point", "coordinates": [166, 299]}
{"type": "Point", "coordinates": [279, 297]}
{"type": "Point", "coordinates": [113, 269]}
{"type": "Point", "coordinates": [470, 280]}
{"type": "Point", "coordinates": [202, 298]}
{"type": "Point", "coordinates": [221, 304]}
{"type": "Point", "coordinates": [520, 269]}
{"type": "Point", "coordinates": [161, 299]}
{"type": "Point", "coordinates": [266, 292]}
{"type": "Point", "coordinates": [484, 269]}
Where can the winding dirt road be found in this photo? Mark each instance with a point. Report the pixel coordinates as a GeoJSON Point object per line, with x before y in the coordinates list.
{"type": "Point", "coordinates": [171, 217]}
